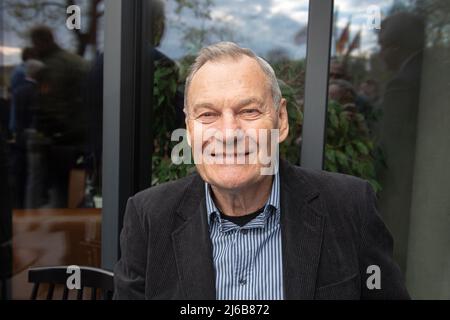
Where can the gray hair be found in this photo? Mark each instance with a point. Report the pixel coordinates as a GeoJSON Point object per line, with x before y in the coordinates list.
{"type": "Point", "coordinates": [32, 67]}
{"type": "Point", "coordinates": [231, 50]}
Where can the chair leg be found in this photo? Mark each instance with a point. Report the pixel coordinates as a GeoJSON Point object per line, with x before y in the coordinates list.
{"type": "Point", "coordinates": [80, 294]}
{"type": "Point", "coordinates": [35, 291]}
{"type": "Point", "coordinates": [65, 293]}
{"type": "Point", "coordinates": [51, 289]}
{"type": "Point", "coordinates": [93, 293]}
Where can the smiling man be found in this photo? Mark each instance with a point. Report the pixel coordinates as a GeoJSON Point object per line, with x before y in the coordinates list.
{"type": "Point", "coordinates": [245, 227]}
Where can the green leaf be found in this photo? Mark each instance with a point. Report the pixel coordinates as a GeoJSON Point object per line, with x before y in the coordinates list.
{"type": "Point", "coordinates": [162, 72]}
{"type": "Point", "coordinates": [331, 167]}
{"type": "Point", "coordinates": [349, 150]}
{"type": "Point", "coordinates": [173, 86]}
{"type": "Point", "coordinates": [161, 99]}
{"type": "Point", "coordinates": [344, 123]}
{"type": "Point", "coordinates": [330, 155]}
{"type": "Point", "coordinates": [341, 158]}
{"type": "Point", "coordinates": [334, 120]}
{"type": "Point", "coordinates": [361, 147]}
{"type": "Point", "coordinates": [375, 185]}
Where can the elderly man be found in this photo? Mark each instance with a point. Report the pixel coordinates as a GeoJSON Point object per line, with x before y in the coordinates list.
{"type": "Point", "coordinates": [233, 231]}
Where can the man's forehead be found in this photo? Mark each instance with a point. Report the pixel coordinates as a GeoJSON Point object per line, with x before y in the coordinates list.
{"type": "Point", "coordinates": [227, 77]}
{"type": "Point", "coordinates": [228, 70]}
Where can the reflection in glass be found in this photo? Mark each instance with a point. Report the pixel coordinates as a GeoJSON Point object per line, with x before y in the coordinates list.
{"type": "Point", "coordinates": [388, 123]}
{"type": "Point", "coordinates": [48, 160]}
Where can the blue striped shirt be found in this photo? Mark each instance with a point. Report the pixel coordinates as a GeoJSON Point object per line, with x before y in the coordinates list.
{"type": "Point", "coordinates": [247, 260]}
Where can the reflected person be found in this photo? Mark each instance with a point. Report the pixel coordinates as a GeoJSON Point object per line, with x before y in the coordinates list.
{"type": "Point", "coordinates": [401, 40]}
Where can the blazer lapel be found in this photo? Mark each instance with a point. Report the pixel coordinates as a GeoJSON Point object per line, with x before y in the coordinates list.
{"type": "Point", "coordinates": [192, 245]}
{"type": "Point", "coordinates": [302, 232]}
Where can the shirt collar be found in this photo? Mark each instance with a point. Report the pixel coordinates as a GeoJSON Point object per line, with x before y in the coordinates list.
{"type": "Point", "coordinates": [272, 204]}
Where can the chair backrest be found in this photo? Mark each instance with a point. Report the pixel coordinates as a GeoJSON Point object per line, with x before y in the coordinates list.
{"type": "Point", "coordinates": [93, 278]}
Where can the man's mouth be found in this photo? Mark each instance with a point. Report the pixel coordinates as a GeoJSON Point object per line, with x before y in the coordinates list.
{"type": "Point", "coordinates": [230, 155]}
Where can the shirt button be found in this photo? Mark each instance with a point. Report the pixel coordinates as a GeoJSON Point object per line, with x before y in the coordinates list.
{"type": "Point", "coordinates": [242, 282]}
{"type": "Point", "coordinates": [244, 231]}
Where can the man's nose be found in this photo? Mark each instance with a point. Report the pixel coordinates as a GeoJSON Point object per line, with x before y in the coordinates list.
{"type": "Point", "coordinates": [230, 128]}
{"type": "Point", "coordinates": [229, 122]}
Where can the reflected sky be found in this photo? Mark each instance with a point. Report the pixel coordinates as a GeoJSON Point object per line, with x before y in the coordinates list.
{"type": "Point", "coordinates": [267, 25]}
{"type": "Point", "coordinates": [263, 25]}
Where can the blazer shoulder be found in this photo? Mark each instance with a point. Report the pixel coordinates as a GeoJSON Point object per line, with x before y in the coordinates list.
{"type": "Point", "coordinates": [165, 196]}
{"type": "Point", "coordinates": [347, 201]}
{"type": "Point", "coordinates": [342, 193]}
{"type": "Point", "coordinates": [347, 198]}
{"type": "Point", "coordinates": [332, 182]}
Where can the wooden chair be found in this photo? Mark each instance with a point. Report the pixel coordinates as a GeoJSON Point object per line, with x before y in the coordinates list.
{"type": "Point", "coordinates": [98, 280]}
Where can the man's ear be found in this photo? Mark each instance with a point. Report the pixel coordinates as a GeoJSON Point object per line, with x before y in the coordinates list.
{"type": "Point", "coordinates": [283, 120]}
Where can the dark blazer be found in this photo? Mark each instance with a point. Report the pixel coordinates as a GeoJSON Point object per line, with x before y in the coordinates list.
{"type": "Point", "coordinates": [331, 233]}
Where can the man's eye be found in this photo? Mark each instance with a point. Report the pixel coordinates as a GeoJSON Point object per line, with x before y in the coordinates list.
{"type": "Point", "coordinates": [207, 115]}
{"type": "Point", "coordinates": [250, 112]}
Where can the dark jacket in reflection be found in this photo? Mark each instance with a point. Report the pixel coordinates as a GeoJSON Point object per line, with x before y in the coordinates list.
{"type": "Point", "coordinates": [61, 115]}
{"type": "Point", "coordinates": [398, 133]}
{"type": "Point", "coordinates": [26, 104]}
{"type": "Point", "coordinates": [61, 118]}
{"type": "Point", "coordinates": [25, 100]}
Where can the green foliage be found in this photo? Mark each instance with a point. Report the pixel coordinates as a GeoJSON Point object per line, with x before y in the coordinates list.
{"type": "Point", "coordinates": [164, 170]}
{"type": "Point", "coordinates": [290, 148]}
{"type": "Point", "coordinates": [164, 91]}
{"type": "Point", "coordinates": [292, 73]}
{"type": "Point", "coordinates": [349, 147]}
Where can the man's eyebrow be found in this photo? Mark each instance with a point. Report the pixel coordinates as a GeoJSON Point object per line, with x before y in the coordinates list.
{"type": "Point", "coordinates": [202, 105]}
{"type": "Point", "coordinates": [247, 101]}
{"type": "Point", "coordinates": [242, 103]}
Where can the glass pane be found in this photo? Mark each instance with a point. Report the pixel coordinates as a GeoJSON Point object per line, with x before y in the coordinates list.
{"type": "Point", "coordinates": [50, 151]}
{"type": "Point", "coordinates": [276, 31]}
{"type": "Point", "coordinates": [388, 122]}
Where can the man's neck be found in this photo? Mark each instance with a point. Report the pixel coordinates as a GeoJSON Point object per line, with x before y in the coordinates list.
{"type": "Point", "coordinates": [245, 201]}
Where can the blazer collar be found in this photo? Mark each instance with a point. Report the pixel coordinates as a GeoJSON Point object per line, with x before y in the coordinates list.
{"type": "Point", "coordinates": [301, 228]}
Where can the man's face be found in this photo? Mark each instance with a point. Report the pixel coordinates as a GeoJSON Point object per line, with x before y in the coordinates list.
{"type": "Point", "coordinates": [337, 71]}
{"type": "Point", "coordinates": [226, 97]}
